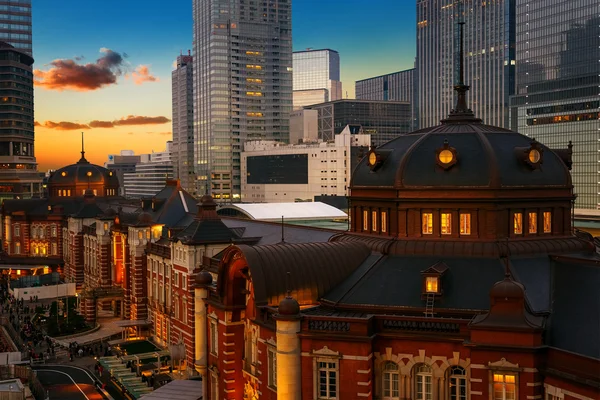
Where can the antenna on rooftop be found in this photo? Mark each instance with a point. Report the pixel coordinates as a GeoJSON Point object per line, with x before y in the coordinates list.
{"type": "Point", "coordinates": [282, 231]}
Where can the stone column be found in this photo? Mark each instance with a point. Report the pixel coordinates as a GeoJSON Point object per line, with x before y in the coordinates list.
{"type": "Point", "coordinates": [202, 281]}
{"type": "Point", "coordinates": [289, 372]}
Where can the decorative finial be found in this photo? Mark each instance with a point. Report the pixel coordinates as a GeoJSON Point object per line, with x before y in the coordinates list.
{"type": "Point", "coordinates": [82, 160]}
{"type": "Point", "coordinates": [461, 112]}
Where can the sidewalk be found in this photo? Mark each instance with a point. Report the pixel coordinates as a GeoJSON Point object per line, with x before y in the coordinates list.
{"type": "Point", "coordinates": [107, 329]}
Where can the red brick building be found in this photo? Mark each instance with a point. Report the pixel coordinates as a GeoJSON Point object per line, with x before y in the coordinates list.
{"type": "Point", "coordinates": [461, 278]}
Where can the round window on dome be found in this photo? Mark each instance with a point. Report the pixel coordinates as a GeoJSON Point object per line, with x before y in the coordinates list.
{"type": "Point", "coordinates": [372, 158]}
{"type": "Point", "coordinates": [110, 173]}
{"type": "Point", "coordinates": [446, 156]}
{"type": "Point", "coordinates": [534, 156]}
{"type": "Point", "coordinates": [89, 173]}
{"type": "Point", "coordinates": [63, 173]}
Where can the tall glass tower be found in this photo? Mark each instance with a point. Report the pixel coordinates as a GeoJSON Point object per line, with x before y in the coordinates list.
{"type": "Point", "coordinates": [557, 81]}
{"type": "Point", "coordinates": [15, 24]}
{"type": "Point", "coordinates": [183, 122]}
{"type": "Point", "coordinates": [316, 77]}
{"type": "Point", "coordinates": [489, 36]}
{"type": "Point", "coordinates": [242, 85]}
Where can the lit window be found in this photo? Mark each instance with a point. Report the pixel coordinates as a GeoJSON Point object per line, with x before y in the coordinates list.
{"type": "Point", "coordinates": [390, 381]}
{"type": "Point", "coordinates": [518, 223]}
{"type": "Point", "coordinates": [148, 234]}
{"type": "Point", "coordinates": [458, 384]}
{"type": "Point", "coordinates": [431, 284]}
{"type": "Point", "coordinates": [465, 224]}
{"type": "Point", "coordinates": [532, 222]}
{"type": "Point", "coordinates": [140, 235]}
{"type": "Point", "coordinates": [18, 272]}
{"type": "Point", "coordinates": [446, 220]}
{"type": "Point", "coordinates": [446, 156]}
{"type": "Point", "coordinates": [374, 221]}
{"type": "Point", "coordinates": [423, 387]}
{"type": "Point", "coordinates": [272, 365]}
{"type": "Point", "coordinates": [534, 156]}
{"type": "Point", "coordinates": [547, 222]}
{"type": "Point", "coordinates": [106, 226]}
{"type": "Point", "coordinates": [365, 220]}
{"type": "Point", "coordinates": [327, 379]}
{"type": "Point", "coordinates": [384, 221]}
{"type": "Point", "coordinates": [427, 223]}
{"type": "Point", "coordinates": [504, 387]}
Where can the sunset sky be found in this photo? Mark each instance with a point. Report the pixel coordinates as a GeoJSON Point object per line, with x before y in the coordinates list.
{"type": "Point", "coordinates": [103, 67]}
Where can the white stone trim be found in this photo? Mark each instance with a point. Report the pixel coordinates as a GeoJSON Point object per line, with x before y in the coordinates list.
{"type": "Point", "coordinates": [537, 396]}
{"type": "Point", "coordinates": [363, 371]}
{"type": "Point", "coordinates": [476, 380]}
{"type": "Point", "coordinates": [476, 393]}
{"type": "Point", "coordinates": [534, 384]}
{"type": "Point", "coordinates": [357, 358]}
{"type": "Point", "coordinates": [363, 394]}
{"type": "Point", "coordinates": [363, 383]}
{"type": "Point", "coordinates": [502, 363]}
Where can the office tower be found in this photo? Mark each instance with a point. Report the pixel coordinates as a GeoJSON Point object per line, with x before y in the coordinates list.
{"type": "Point", "coordinates": [397, 86]}
{"type": "Point", "coordinates": [242, 85]}
{"type": "Point", "coordinates": [316, 77]}
{"type": "Point", "coordinates": [18, 169]}
{"type": "Point", "coordinates": [121, 164]}
{"type": "Point", "coordinates": [557, 80]}
{"type": "Point", "coordinates": [489, 63]}
{"type": "Point", "coordinates": [183, 123]}
{"type": "Point", "coordinates": [383, 120]}
{"type": "Point", "coordinates": [15, 24]}
{"type": "Point", "coordinates": [150, 175]}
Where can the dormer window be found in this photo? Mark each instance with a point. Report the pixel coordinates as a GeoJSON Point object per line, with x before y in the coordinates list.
{"type": "Point", "coordinates": [432, 278]}
{"type": "Point", "coordinates": [432, 284]}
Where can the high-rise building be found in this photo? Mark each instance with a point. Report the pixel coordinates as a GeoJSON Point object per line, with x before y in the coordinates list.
{"type": "Point", "coordinates": [557, 80]}
{"type": "Point", "coordinates": [121, 164]}
{"type": "Point", "coordinates": [383, 120]}
{"type": "Point", "coordinates": [316, 77]}
{"type": "Point", "coordinates": [183, 123]}
{"type": "Point", "coordinates": [19, 177]}
{"type": "Point", "coordinates": [397, 86]}
{"type": "Point", "coordinates": [15, 24]}
{"type": "Point", "coordinates": [242, 85]}
{"type": "Point", "coordinates": [489, 38]}
{"type": "Point", "coordinates": [150, 175]}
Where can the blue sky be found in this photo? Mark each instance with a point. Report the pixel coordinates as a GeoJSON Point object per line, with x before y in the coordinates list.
{"type": "Point", "coordinates": [371, 41]}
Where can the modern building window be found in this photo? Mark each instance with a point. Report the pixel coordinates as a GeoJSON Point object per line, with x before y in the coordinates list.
{"type": "Point", "coordinates": [374, 221]}
{"type": "Point", "coordinates": [427, 223]}
{"type": "Point", "coordinates": [505, 387]}
{"type": "Point", "coordinates": [390, 381]}
{"type": "Point", "coordinates": [383, 221]}
{"type": "Point", "coordinates": [446, 223]}
{"type": "Point", "coordinates": [17, 230]}
{"type": "Point", "coordinates": [518, 224]}
{"type": "Point", "coordinates": [532, 222]}
{"type": "Point", "coordinates": [213, 338]}
{"type": "Point", "coordinates": [432, 284]}
{"type": "Point", "coordinates": [17, 248]}
{"type": "Point", "coordinates": [272, 365]}
{"type": "Point", "coordinates": [423, 389]}
{"type": "Point", "coordinates": [327, 379]}
{"type": "Point", "coordinates": [547, 222]}
{"type": "Point", "coordinates": [365, 220]}
{"type": "Point", "coordinates": [465, 224]}
{"type": "Point", "coordinates": [458, 383]}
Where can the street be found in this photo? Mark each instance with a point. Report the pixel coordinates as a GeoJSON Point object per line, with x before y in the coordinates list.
{"type": "Point", "coordinates": [67, 382]}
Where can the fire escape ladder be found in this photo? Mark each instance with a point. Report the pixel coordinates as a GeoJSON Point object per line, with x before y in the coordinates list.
{"type": "Point", "coordinates": [429, 305]}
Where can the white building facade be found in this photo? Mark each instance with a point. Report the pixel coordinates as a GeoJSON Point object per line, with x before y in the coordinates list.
{"type": "Point", "coordinates": [274, 172]}
{"type": "Point", "coordinates": [150, 174]}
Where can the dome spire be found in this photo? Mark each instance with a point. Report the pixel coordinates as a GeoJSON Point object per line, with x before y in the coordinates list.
{"type": "Point", "coordinates": [82, 160]}
{"type": "Point", "coordinates": [461, 112]}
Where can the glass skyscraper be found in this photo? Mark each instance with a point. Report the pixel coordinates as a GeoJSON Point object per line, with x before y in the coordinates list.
{"type": "Point", "coordinates": [242, 85]}
{"type": "Point", "coordinates": [489, 36]}
{"type": "Point", "coordinates": [15, 24]}
{"type": "Point", "coordinates": [557, 79]}
{"type": "Point", "coordinates": [397, 86]}
{"type": "Point", "coordinates": [316, 77]}
{"type": "Point", "coordinates": [183, 123]}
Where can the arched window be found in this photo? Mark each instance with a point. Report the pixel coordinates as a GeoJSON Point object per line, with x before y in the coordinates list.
{"type": "Point", "coordinates": [390, 381]}
{"type": "Point", "coordinates": [458, 383]}
{"type": "Point", "coordinates": [423, 387]}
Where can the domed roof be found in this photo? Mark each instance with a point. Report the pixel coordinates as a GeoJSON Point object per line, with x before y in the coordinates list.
{"type": "Point", "coordinates": [485, 156]}
{"type": "Point", "coordinates": [288, 307]}
{"type": "Point", "coordinates": [507, 289]}
{"type": "Point", "coordinates": [203, 278]}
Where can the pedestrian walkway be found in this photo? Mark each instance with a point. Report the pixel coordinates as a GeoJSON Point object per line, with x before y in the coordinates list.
{"type": "Point", "coordinates": [108, 328]}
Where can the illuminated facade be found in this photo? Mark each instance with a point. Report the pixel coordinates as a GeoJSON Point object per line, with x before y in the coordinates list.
{"type": "Point", "coordinates": [242, 85]}
{"type": "Point", "coordinates": [557, 81]}
{"type": "Point", "coordinates": [489, 63]}
{"type": "Point", "coordinates": [316, 77]}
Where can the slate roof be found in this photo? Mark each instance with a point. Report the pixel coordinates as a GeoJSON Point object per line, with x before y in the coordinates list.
{"type": "Point", "coordinates": [270, 232]}
{"type": "Point", "coordinates": [206, 231]}
{"type": "Point", "coordinates": [314, 269]}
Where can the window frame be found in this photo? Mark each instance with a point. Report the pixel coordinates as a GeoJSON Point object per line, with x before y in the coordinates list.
{"type": "Point", "coordinates": [365, 220]}
{"type": "Point", "coordinates": [335, 370]}
{"type": "Point", "coordinates": [17, 247]}
{"type": "Point", "coordinates": [517, 216]}
{"type": "Point", "coordinates": [387, 382]}
{"type": "Point", "coordinates": [17, 230]}
{"type": "Point", "coordinates": [432, 278]}
{"type": "Point", "coordinates": [462, 218]}
{"type": "Point", "coordinates": [272, 367]}
{"type": "Point", "coordinates": [504, 384]}
{"type": "Point", "coordinates": [463, 383]}
{"type": "Point", "coordinates": [384, 222]}
{"type": "Point", "coordinates": [427, 379]}
{"type": "Point", "coordinates": [213, 337]}
{"type": "Point", "coordinates": [427, 218]}
{"type": "Point", "coordinates": [446, 228]}
{"type": "Point", "coordinates": [374, 217]}
{"type": "Point", "coordinates": [532, 222]}
{"type": "Point", "coordinates": [548, 220]}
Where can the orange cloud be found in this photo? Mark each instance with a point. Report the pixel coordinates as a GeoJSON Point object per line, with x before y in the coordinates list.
{"type": "Point", "coordinates": [141, 120]}
{"type": "Point", "coordinates": [66, 74]}
{"type": "Point", "coordinates": [101, 124]}
{"type": "Point", "coordinates": [142, 74]}
{"type": "Point", "coordinates": [63, 125]}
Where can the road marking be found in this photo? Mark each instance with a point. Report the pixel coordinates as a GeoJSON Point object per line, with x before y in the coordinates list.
{"type": "Point", "coordinates": [94, 381]}
{"type": "Point", "coordinates": [72, 380]}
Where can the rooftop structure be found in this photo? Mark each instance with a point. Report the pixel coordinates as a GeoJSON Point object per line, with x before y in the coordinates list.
{"type": "Point", "coordinates": [287, 211]}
